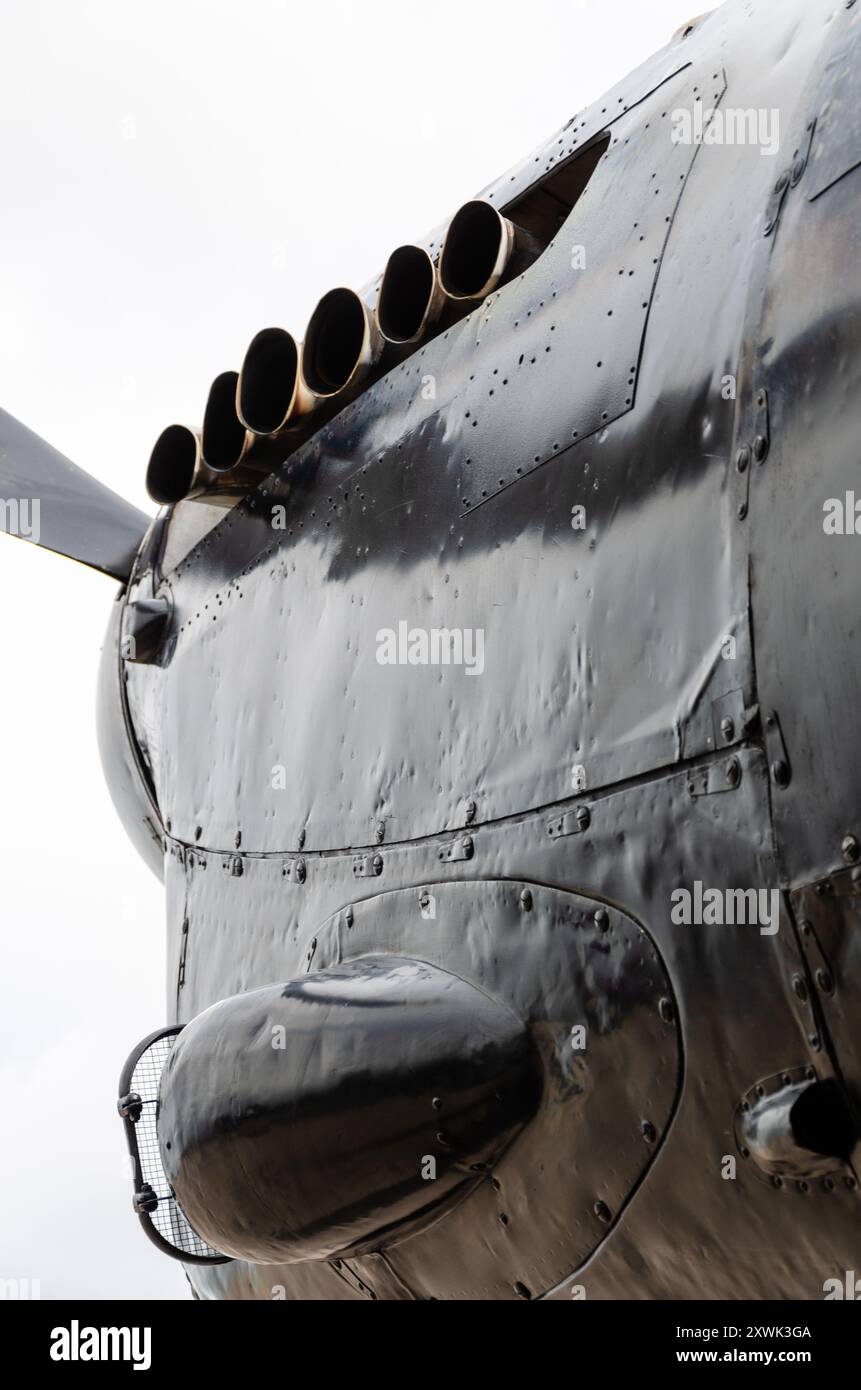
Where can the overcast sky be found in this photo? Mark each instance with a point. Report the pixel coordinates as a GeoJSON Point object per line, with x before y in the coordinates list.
{"type": "Point", "coordinates": [175, 176]}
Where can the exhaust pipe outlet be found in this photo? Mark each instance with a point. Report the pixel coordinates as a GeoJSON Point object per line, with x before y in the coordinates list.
{"type": "Point", "coordinates": [342, 344]}
{"type": "Point", "coordinates": [411, 296]}
{"type": "Point", "coordinates": [481, 249]}
{"type": "Point", "coordinates": [175, 465]}
{"type": "Point", "coordinates": [225, 440]}
{"type": "Point", "coordinates": [270, 394]}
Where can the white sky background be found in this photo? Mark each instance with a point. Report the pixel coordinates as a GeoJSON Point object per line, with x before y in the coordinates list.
{"type": "Point", "coordinates": [175, 175]}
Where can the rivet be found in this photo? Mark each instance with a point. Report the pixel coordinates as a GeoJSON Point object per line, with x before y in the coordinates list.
{"type": "Point", "coordinates": [732, 772]}
{"type": "Point", "coordinates": [603, 1213]}
{"type": "Point", "coordinates": [851, 849]}
{"type": "Point", "coordinates": [777, 1180]}
{"type": "Point", "coordinates": [437, 1103]}
{"type": "Point", "coordinates": [602, 919]}
{"type": "Point", "coordinates": [380, 832]}
{"type": "Point", "coordinates": [815, 1042]}
{"type": "Point", "coordinates": [348, 917]}
{"type": "Point", "coordinates": [584, 817]}
{"type": "Point", "coordinates": [800, 988]}
{"type": "Point", "coordinates": [442, 1138]}
{"type": "Point", "coordinates": [521, 1290]}
{"type": "Point", "coordinates": [526, 900]}
{"type": "Point", "coordinates": [727, 728]}
{"type": "Point", "coordinates": [780, 773]}
{"type": "Point", "coordinates": [468, 846]}
{"type": "Point", "coordinates": [760, 448]}
{"type": "Point", "coordinates": [742, 511]}
{"type": "Point", "coordinates": [378, 862]}
{"type": "Point", "coordinates": [666, 1010]}
{"type": "Point", "coordinates": [300, 840]}
{"type": "Point", "coordinates": [470, 811]}
{"type": "Point", "coordinates": [649, 1132]}
{"type": "Point", "coordinates": [824, 981]}
{"type": "Point", "coordinates": [742, 459]}
{"type": "Point", "coordinates": [237, 839]}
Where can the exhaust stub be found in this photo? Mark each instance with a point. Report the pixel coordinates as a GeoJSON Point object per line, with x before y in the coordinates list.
{"type": "Point", "coordinates": [481, 249]}
{"type": "Point", "coordinates": [342, 344]}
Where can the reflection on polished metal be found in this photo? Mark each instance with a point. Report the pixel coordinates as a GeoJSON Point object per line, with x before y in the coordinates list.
{"type": "Point", "coordinates": [445, 1037]}
{"type": "Point", "coordinates": [301, 1122]}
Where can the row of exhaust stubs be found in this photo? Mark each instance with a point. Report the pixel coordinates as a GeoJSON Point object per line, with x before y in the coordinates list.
{"type": "Point", "coordinates": [283, 383]}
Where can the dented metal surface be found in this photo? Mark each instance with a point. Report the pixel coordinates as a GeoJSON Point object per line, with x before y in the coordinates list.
{"type": "Point", "coordinates": [615, 473]}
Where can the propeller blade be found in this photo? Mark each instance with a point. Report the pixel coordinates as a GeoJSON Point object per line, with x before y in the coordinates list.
{"type": "Point", "coordinates": [46, 499]}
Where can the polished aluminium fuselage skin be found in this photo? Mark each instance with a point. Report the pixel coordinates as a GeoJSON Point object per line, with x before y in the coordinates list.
{"type": "Point", "coordinates": [670, 640]}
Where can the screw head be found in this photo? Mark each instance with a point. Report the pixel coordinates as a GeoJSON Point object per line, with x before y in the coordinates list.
{"type": "Point", "coordinates": [732, 772]}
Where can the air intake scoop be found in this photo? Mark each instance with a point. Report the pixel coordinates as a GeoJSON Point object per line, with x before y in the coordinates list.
{"type": "Point", "coordinates": [342, 1111]}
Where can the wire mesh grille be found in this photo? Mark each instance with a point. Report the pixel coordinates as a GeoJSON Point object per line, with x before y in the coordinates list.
{"type": "Point", "coordinates": [168, 1217]}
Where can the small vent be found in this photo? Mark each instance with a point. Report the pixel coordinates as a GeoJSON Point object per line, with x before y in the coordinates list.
{"type": "Point", "coordinates": [160, 1213]}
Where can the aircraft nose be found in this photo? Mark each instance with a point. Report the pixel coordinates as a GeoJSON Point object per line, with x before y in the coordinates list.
{"type": "Point", "coordinates": [343, 1110]}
